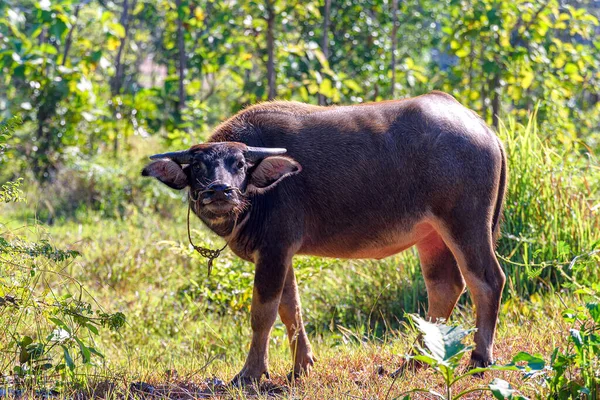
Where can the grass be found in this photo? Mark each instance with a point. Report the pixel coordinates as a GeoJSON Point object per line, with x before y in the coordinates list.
{"type": "Point", "coordinates": [168, 332]}
{"type": "Point", "coordinates": [186, 331]}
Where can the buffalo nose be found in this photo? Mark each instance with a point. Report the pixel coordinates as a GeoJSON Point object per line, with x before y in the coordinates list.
{"type": "Point", "coordinates": [218, 191]}
{"type": "Point", "coordinates": [219, 188]}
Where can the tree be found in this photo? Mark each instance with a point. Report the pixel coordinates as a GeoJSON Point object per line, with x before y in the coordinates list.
{"type": "Point", "coordinates": [325, 40]}
{"type": "Point", "coordinates": [271, 78]}
{"type": "Point", "coordinates": [394, 45]}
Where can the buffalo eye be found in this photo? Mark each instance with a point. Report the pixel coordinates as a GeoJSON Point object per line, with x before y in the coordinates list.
{"type": "Point", "coordinates": [240, 164]}
{"type": "Point", "coordinates": [199, 167]}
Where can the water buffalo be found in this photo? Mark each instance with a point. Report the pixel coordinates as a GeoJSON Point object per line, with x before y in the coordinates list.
{"type": "Point", "coordinates": [363, 181]}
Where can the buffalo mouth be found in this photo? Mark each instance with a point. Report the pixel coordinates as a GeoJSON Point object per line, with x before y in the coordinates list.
{"type": "Point", "coordinates": [220, 206]}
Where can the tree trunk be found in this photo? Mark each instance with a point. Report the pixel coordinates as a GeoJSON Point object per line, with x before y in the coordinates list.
{"type": "Point", "coordinates": [182, 59]}
{"type": "Point", "coordinates": [69, 39]}
{"type": "Point", "coordinates": [117, 80]}
{"type": "Point", "coordinates": [271, 50]}
{"type": "Point", "coordinates": [495, 92]}
{"type": "Point", "coordinates": [394, 45]}
{"type": "Point", "coordinates": [483, 91]}
{"type": "Point", "coordinates": [325, 41]}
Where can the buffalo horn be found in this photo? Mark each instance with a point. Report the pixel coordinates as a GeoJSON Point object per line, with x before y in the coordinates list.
{"type": "Point", "coordinates": [256, 153]}
{"type": "Point", "coordinates": [180, 157]}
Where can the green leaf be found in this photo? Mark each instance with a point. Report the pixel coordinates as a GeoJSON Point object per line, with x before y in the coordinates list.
{"type": "Point", "coordinates": [26, 341]}
{"type": "Point", "coordinates": [60, 324]}
{"type": "Point", "coordinates": [594, 309]}
{"type": "Point", "coordinates": [571, 69]}
{"type": "Point", "coordinates": [85, 351]}
{"type": "Point", "coordinates": [576, 336]}
{"type": "Point", "coordinates": [58, 28]}
{"type": "Point", "coordinates": [321, 57]}
{"type": "Point", "coordinates": [463, 52]}
{"type": "Point", "coordinates": [527, 79]}
{"type": "Point", "coordinates": [92, 328]}
{"type": "Point", "coordinates": [96, 352]}
{"type": "Point", "coordinates": [68, 359]}
{"type": "Point", "coordinates": [534, 362]}
{"type": "Point", "coordinates": [443, 341]}
{"type": "Point", "coordinates": [325, 88]}
{"type": "Point", "coordinates": [352, 85]}
{"type": "Point", "coordinates": [48, 48]}
{"type": "Point", "coordinates": [501, 389]}
{"type": "Point", "coordinates": [117, 30]}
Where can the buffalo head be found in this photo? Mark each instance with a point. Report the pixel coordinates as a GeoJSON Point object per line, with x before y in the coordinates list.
{"type": "Point", "coordinates": [221, 175]}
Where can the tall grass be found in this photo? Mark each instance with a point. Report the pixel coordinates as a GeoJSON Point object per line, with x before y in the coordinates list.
{"type": "Point", "coordinates": [551, 214]}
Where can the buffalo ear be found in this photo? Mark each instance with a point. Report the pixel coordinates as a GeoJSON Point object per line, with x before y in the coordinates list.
{"type": "Point", "coordinates": [168, 172]}
{"type": "Point", "coordinates": [270, 171]}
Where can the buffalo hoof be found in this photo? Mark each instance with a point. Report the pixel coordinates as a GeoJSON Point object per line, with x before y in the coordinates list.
{"type": "Point", "coordinates": [409, 365]}
{"type": "Point", "coordinates": [303, 367]}
{"type": "Point", "coordinates": [479, 361]}
{"type": "Point", "coordinates": [242, 380]}
{"type": "Point", "coordinates": [292, 376]}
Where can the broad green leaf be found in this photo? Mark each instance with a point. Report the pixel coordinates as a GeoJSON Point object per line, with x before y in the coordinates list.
{"type": "Point", "coordinates": [576, 336]}
{"type": "Point", "coordinates": [443, 341]}
{"type": "Point", "coordinates": [571, 69]}
{"type": "Point", "coordinates": [534, 362]}
{"type": "Point", "coordinates": [527, 79]}
{"type": "Point", "coordinates": [60, 324]}
{"type": "Point", "coordinates": [68, 359]}
{"type": "Point", "coordinates": [463, 52]}
{"type": "Point", "coordinates": [325, 88]}
{"type": "Point", "coordinates": [85, 351]}
{"type": "Point", "coordinates": [352, 85]}
{"type": "Point", "coordinates": [594, 309]}
{"type": "Point", "coordinates": [501, 389]}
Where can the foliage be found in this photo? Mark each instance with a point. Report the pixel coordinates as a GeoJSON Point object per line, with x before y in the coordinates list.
{"type": "Point", "coordinates": [95, 74]}
{"type": "Point", "coordinates": [45, 324]}
{"type": "Point", "coordinates": [9, 191]}
{"type": "Point", "coordinates": [549, 185]}
{"type": "Point", "coordinates": [7, 129]}
{"type": "Point", "coordinates": [571, 372]}
{"type": "Point", "coordinates": [574, 372]}
{"type": "Point", "coordinates": [442, 350]}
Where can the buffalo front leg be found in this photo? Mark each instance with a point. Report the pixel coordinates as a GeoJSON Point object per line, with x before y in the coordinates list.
{"type": "Point", "coordinates": [291, 315]}
{"type": "Point", "coordinates": [269, 279]}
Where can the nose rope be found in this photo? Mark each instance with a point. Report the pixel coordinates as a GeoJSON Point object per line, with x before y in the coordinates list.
{"type": "Point", "coordinates": [205, 252]}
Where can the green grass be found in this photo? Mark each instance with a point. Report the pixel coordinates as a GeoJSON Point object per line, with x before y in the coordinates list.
{"type": "Point", "coordinates": [135, 259]}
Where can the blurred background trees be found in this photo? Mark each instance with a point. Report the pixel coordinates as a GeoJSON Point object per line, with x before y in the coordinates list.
{"type": "Point", "coordinates": [87, 75]}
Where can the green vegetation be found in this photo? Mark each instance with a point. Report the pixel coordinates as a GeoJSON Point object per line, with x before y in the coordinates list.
{"type": "Point", "coordinates": [100, 293]}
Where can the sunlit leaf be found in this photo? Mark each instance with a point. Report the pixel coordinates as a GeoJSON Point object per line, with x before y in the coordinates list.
{"type": "Point", "coordinates": [501, 389]}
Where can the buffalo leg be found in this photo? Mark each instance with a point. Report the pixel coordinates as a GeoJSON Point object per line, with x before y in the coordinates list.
{"type": "Point", "coordinates": [269, 278]}
{"type": "Point", "coordinates": [291, 315]}
{"type": "Point", "coordinates": [444, 284]}
{"type": "Point", "coordinates": [443, 279]}
{"type": "Point", "coordinates": [474, 252]}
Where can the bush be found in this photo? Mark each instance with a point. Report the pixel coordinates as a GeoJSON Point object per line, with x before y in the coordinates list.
{"type": "Point", "coordinates": [49, 319]}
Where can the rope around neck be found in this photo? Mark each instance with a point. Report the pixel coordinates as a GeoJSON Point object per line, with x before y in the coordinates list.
{"type": "Point", "coordinates": [207, 253]}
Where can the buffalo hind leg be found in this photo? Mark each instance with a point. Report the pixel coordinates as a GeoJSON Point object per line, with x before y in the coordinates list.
{"type": "Point", "coordinates": [291, 315]}
{"type": "Point", "coordinates": [443, 281]}
{"type": "Point", "coordinates": [269, 278]}
{"type": "Point", "coordinates": [473, 248]}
